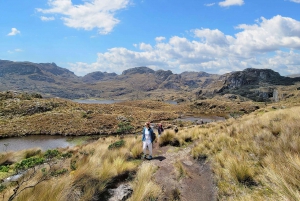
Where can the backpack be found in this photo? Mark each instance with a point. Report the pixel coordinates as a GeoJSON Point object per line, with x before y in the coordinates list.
{"type": "Point", "coordinates": [153, 136]}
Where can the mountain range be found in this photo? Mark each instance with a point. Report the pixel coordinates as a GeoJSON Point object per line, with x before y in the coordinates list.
{"type": "Point", "coordinates": [51, 80]}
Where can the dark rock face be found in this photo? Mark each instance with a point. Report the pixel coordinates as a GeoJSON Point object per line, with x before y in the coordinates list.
{"type": "Point", "coordinates": [250, 77]}
{"type": "Point", "coordinates": [162, 75]}
{"type": "Point", "coordinates": [18, 68]}
{"type": "Point", "coordinates": [98, 76]}
{"type": "Point", "coordinates": [138, 70]}
{"type": "Point", "coordinates": [255, 84]}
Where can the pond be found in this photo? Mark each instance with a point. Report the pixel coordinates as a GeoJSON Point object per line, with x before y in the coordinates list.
{"type": "Point", "coordinates": [43, 142]}
{"type": "Point", "coordinates": [204, 119]}
{"type": "Point", "coordinates": [171, 102]}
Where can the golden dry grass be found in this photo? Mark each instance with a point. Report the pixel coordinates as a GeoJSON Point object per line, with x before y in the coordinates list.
{"type": "Point", "coordinates": [96, 167]}
{"type": "Point", "coordinates": [143, 186]}
{"type": "Point", "coordinates": [256, 155]}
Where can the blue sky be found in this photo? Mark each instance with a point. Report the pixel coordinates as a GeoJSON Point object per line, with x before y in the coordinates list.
{"type": "Point", "coordinates": [178, 35]}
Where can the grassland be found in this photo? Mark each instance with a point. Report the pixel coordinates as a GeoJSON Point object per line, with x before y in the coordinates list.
{"type": "Point", "coordinates": [254, 156]}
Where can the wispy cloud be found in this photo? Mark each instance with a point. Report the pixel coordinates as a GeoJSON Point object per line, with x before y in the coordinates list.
{"type": "Point", "coordinates": [43, 18]}
{"type": "Point", "coordinates": [210, 4]}
{"type": "Point", "coordinates": [89, 15]}
{"type": "Point", "coordinates": [14, 32]}
{"type": "Point", "coordinates": [265, 44]}
{"type": "Point", "coordinates": [15, 50]}
{"type": "Point", "coordinates": [160, 38]}
{"type": "Point", "coordinates": [296, 1]}
{"type": "Point", "coordinates": [228, 3]}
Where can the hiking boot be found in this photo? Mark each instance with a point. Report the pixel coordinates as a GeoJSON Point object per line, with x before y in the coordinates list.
{"type": "Point", "coordinates": [150, 157]}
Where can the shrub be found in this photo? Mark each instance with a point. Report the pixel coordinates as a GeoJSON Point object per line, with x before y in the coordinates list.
{"type": "Point", "coordinates": [124, 127]}
{"type": "Point", "coordinates": [4, 168]}
{"type": "Point", "coordinates": [59, 172]}
{"type": "Point", "coordinates": [117, 144]}
{"type": "Point", "coordinates": [2, 188]}
{"type": "Point", "coordinates": [51, 153]}
{"type": "Point", "coordinates": [29, 163]}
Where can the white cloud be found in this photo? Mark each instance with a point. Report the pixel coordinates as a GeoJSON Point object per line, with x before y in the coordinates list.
{"type": "Point", "coordinates": [89, 15]}
{"type": "Point", "coordinates": [160, 38]}
{"type": "Point", "coordinates": [43, 18]}
{"type": "Point", "coordinates": [210, 4]}
{"type": "Point", "coordinates": [145, 47]}
{"type": "Point", "coordinates": [269, 43]}
{"type": "Point", "coordinates": [231, 3]}
{"type": "Point", "coordinates": [14, 32]}
{"type": "Point", "coordinates": [296, 1]}
{"type": "Point", "coordinates": [15, 50]}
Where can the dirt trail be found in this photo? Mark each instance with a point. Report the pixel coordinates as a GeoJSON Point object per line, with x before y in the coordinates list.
{"type": "Point", "coordinates": [198, 183]}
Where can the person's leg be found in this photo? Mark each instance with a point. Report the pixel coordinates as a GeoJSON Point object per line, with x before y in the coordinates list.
{"type": "Point", "coordinates": [144, 148]}
{"type": "Point", "coordinates": [150, 149]}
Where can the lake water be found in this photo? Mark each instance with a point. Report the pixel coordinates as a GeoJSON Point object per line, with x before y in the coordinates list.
{"type": "Point", "coordinates": [205, 119]}
{"type": "Point", "coordinates": [44, 142]}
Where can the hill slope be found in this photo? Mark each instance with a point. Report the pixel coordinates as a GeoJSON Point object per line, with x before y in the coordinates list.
{"type": "Point", "coordinates": [140, 83]}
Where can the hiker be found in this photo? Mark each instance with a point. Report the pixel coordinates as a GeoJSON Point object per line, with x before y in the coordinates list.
{"type": "Point", "coordinates": [160, 129]}
{"type": "Point", "coordinates": [147, 140]}
{"type": "Point", "coordinates": [176, 129]}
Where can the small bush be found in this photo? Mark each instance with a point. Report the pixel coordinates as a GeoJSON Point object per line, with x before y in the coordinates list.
{"type": "Point", "coordinates": [29, 163]}
{"type": "Point", "coordinates": [73, 165]}
{"type": "Point", "coordinates": [124, 127]}
{"type": "Point", "coordinates": [51, 153]}
{"type": "Point", "coordinates": [67, 155]}
{"type": "Point", "coordinates": [4, 168]}
{"type": "Point", "coordinates": [2, 188]}
{"type": "Point", "coordinates": [59, 172]}
{"type": "Point", "coordinates": [117, 144]}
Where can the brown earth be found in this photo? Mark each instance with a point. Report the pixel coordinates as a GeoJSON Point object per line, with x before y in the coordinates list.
{"type": "Point", "coordinates": [196, 185]}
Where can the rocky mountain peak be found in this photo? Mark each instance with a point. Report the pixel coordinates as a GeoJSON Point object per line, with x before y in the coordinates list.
{"type": "Point", "coordinates": [98, 76]}
{"type": "Point", "coordinates": [138, 70]}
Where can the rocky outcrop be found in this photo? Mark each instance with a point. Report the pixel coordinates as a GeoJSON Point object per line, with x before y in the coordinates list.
{"type": "Point", "coordinates": [138, 70]}
{"type": "Point", "coordinates": [98, 76]}
{"type": "Point", "coordinates": [255, 84]}
{"type": "Point", "coordinates": [162, 75]}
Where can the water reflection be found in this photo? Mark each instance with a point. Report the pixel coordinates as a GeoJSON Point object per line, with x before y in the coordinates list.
{"type": "Point", "coordinates": [171, 102]}
{"type": "Point", "coordinates": [204, 119]}
{"type": "Point", "coordinates": [43, 142]}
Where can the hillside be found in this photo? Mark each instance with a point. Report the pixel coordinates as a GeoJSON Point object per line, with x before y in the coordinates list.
{"type": "Point", "coordinates": [30, 114]}
{"type": "Point", "coordinates": [141, 83]}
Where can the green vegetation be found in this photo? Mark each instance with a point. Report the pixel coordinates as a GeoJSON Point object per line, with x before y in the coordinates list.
{"type": "Point", "coordinates": [124, 127]}
{"type": "Point", "coordinates": [29, 163]}
{"type": "Point", "coordinates": [117, 144]}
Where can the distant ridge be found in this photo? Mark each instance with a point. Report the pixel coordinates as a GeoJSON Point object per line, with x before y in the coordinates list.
{"type": "Point", "coordinates": [293, 76]}
{"type": "Point", "coordinates": [139, 82]}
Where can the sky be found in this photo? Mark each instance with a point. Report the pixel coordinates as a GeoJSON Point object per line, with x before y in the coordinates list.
{"type": "Point", "coordinates": [214, 36]}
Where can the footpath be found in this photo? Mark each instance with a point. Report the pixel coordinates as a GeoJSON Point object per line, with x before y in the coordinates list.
{"type": "Point", "coordinates": [181, 177]}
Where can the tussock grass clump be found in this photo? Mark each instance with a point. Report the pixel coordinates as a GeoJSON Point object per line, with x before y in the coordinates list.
{"type": "Point", "coordinates": [95, 169]}
{"type": "Point", "coordinates": [181, 172]}
{"type": "Point", "coordinates": [143, 187]}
